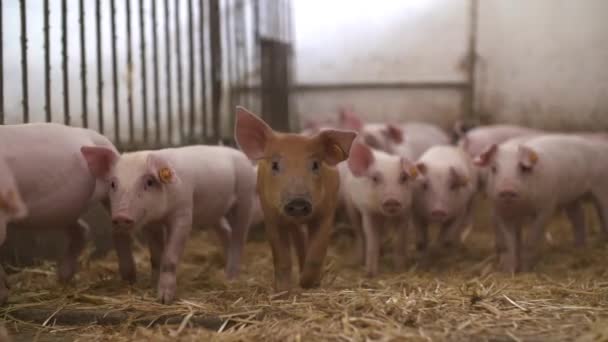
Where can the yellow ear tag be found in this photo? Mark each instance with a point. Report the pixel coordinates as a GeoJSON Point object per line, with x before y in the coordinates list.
{"type": "Point", "coordinates": [165, 175]}
{"type": "Point", "coordinates": [533, 157]}
{"type": "Point", "coordinates": [413, 172]}
{"type": "Point", "coordinates": [338, 151]}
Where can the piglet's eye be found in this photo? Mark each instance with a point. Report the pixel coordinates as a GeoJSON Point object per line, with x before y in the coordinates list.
{"type": "Point", "coordinates": [150, 183]}
{"type": "Point", "coordinates": [403, 178]}
{"type": "Point", "coordinates": [376, 179]}
{"type": "Point", "coordinates": [493, 169]}
{"type": "Point", "coordinates": [275, 166]}
{"type": "Point", "coordinates": [113, 185]}
{"type": "Point", "coordinates": [524, 168]}
{"type": "Point", "coordinates": [315, 166]}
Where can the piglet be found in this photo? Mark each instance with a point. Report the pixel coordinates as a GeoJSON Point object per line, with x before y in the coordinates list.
{"type": "Point", "coordinates": [528, 182]}
{"type": "Point", "coordinates": [12, 208]}
{"type": "Point", "coordinates": [54, 181]}
{"type": "Point", "coordinates": [298, 187]}
{"type": "Point", "coordinates": [165, 192]}
{"type": "Point", "coordinates": [444, 194]}
{"type": "Point", "coordinates": [379, 189]}
{"type": "Point", "coordinates": [478, 139]}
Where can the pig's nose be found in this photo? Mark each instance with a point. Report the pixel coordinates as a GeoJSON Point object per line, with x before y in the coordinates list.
{"type": "Point", "coordinates": [298, 207]}
{"type": "Point", "coordinates": [439, 214]}
{"type": "Point", "coordinates": [508, 194]}
{"type": "Point", "coordinates": [391, 205]}
{"type": "Point", "coordinates": [122, 221]}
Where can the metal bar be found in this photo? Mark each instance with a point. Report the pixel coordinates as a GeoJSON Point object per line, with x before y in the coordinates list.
{"type": "Point", "coordinates": [130, 75]}
{"type": "Point", "coordinates": [239, 42]}
{"type": "Point", "coordinates": [24, 80]}
{"type": "Point", "coordinates": [155, 67]}
{"type": "Point", "coordinates": [216, 65]}
{"type": "Point", "coordinates": [414, 85]}
{"type": "Point", "coordinates": [83, 67]}
{"type": "Point", "coordinates": [65, 67]}
{"type": "Point", "coordinates": [47, 64]}
{"type": "Point", "coordinates": [178, 61]}
{"type": "Point", "coordinates": [469, 100]}
{"type": "Point", "coordinates": [144, 78]}
{"type": "Point", "coordinates": [99, 67]}
{"type": "Point", "coordinates": [202, 50]}
{"type": "Point", "coordinates": [1, 65]}
{"type": "Point", "coordinates": [191, 84]}
{"type": "Point", "coordinates": [115, 75]}
{"type": "Point", "coordinates": [168, 72]}
{"type": "Point", "coordinates": [229, 31]}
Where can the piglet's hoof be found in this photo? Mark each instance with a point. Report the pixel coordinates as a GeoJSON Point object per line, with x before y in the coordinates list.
{"type": "Point", "coordinates": [128, 276]}
{"type": "Point", "coordinates": [66, 271]}
{"type": "Point", "coordinates": [166, 289]}
{"type": "Point", "coordinates": [3, 294]}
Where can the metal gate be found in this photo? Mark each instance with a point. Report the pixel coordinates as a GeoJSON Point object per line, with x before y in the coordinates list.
{"type": "Point", "coordinates": [146, 73]}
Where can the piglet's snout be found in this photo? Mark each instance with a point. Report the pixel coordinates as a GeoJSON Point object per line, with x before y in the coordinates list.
{"type": "Point", "coordinates": [298, 207]}
{"type": "Point", "coordinates": [122, 221]}
{"type": "Point", "coordinates": [392, 206]}
{"type": "Point", "coordinates": [508, 194]}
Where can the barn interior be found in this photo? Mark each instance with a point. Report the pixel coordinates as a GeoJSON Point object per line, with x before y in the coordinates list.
{"type": "Point", "coordinates": [152, 74]}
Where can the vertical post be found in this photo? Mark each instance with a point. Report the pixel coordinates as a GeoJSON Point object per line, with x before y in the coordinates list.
{"type": "Point", "coordinates": [130, 72]}
{"type": "Point", "coordinates": [469, 110]}
{"type": "Point", "coordinates": [168, 72]}
{"type": "Point", "coordinates": [1, 65]}
{"type": "Point", "coordinates": [230, 59]}
{"type": "Point", "coordinates": [192, 104]}
{"type": "Point", "coordinates": [216, 65]}
{"type": "Point", "coordinates": [99, 67]}
{"type": "Point", "coordinates": [144, 78]}
{"type": "Point", "coordinates": [24, 84]}
{"type": "Point", "coordinates": [115, 74]}
{"type": "Point", "coordinates": [64, 49]}
{"type": "Point", "coordinates": [178, 61]}
{"type": "Point", "coordinates": [155, 67]}
{"type": "Point", "coordinates": [83, 67]}
{"type": "Point", "coordinates": [47, 64]}
{"type": "Point", "coordinates": [203, 49]}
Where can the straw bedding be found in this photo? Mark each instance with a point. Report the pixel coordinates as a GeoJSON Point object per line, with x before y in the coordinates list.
{"type": "Point", "coordinates": [458, 297]}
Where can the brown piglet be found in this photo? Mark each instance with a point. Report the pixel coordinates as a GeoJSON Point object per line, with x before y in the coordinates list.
{"type": "Point", "coordinates": [298, 189]}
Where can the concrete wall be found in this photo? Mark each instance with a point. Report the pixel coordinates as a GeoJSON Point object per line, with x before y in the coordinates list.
{"type": "Point", "coordinates": [544, 63]}
{"type": "Point", "coordinates": [380, 48]}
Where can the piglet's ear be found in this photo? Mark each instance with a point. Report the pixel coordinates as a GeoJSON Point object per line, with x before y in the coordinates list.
{"type": "Point", "coordinates": [485, 158]}
{"type": "Point", "coordinates": [13, 205]}
{"type": "Point", "coordinates": [410, 168]}
{"type": "Point", "coordinates": [527, 156]}
{"type": "Point", "coordinates": [360, 159]}
{"type": "Point", "coordinates": [394, 133]}
{"type": "Point", "coordinates": [161, 169]}
{"type": "Point", "coordinates": [336, 145]}
{"type": "Point", "coordinates": [349, 120]}
{"type": "Point", "coordinates": [251, 133]}
{"type": "Point", "coordinates": [457, 179]}
{"type": "Point", "coordinates": [99, 159]}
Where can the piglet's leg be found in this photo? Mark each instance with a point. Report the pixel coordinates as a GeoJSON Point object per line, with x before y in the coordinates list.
{"type": "Point", "coordinates": [511, 260]}
{"type": "Point", "coordinates": [355, 220]}
{"type": "Point", "coordinates": [156, 244]}
{"type": "Point", "coordinates": [77, 233]}
{"type": "Point", "coordinates": [278, 237]}
{"type": "Point", "coordinates": [299, 238]}
{"type": "Point", "coordinates": [179, 229]}
{"type": "Point", "coordinates": [576, 215]}
{"type": "Point", "coordinates": [123, 245]}
{"type": "Point", "coordinates": [535, 239]}
{"type": "Point", "coordinates": [371, 225]}
{"type": "Point", "coordinates": [320, 234]}
{"type": "Point", "coordinates": [400, 246]}
{"type": "Point", "coordinates": [223, 232]}
{"type": "Point", "coordinates": [3, 282]}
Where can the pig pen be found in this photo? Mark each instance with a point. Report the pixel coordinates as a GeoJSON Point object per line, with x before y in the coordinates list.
{"type": "Point", "coordinates": [460, 297]}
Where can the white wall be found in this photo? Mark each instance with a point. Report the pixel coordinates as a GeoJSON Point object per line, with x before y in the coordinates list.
{"type": "Point", "coordinates": [392, 41]}
{"type": "Point", "coordinates": [544, 62]}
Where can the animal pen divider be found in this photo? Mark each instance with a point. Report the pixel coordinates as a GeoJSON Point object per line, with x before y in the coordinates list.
{"type": "Point", "coordinates": [146, 73]}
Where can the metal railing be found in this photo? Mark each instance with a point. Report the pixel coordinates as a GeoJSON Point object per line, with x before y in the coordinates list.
{"type": "Point", "coordinates": [147, 73]}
